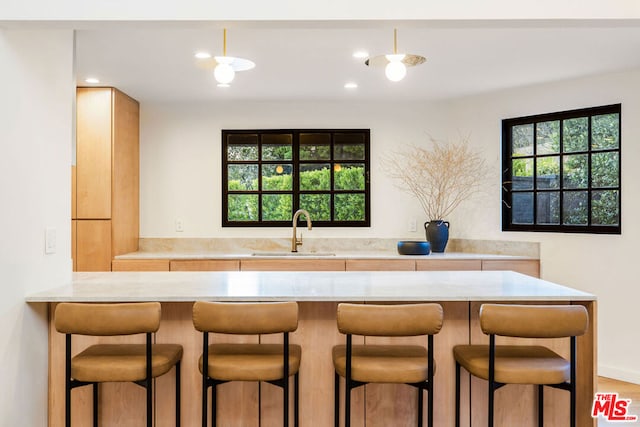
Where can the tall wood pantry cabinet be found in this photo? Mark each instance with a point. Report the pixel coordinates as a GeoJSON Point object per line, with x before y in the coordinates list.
{"type": "Point", "coordinates": [106, 179]}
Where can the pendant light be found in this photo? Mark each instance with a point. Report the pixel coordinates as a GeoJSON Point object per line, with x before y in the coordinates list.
{"type": "Point", "coordinates": [225, 67]}
{"type": "Point", "coordinates": [395, 64]}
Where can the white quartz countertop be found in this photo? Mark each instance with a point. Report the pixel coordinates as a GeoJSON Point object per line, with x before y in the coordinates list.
{"type": "Point", "coordinates": [283, 254]}
{"type": "Point", "coordinates": [309, 286]}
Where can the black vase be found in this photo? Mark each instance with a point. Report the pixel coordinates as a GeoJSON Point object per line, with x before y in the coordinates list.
{"type": "Point", "coordinates": [437, 234]}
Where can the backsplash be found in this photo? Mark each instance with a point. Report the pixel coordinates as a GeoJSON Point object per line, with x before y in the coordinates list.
{"type": "Point", "coordinates": [248, 245]}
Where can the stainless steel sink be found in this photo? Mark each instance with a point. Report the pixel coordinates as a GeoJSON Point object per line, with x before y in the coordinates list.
{"type": "Point", "coordinates": [292, 254]}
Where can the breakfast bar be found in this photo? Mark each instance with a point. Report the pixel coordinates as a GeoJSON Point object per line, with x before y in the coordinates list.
{"type": "Point", "coordinates": [461, 293]}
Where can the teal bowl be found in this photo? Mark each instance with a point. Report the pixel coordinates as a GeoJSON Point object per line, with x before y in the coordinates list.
{"type": "Point", "coordinates": [414, 248]}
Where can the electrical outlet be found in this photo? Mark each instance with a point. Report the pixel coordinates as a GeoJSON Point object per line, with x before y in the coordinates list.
{"type": "Point", "coordinates": [412, 224]}
{"type": "Point", "coordinates": [179, 225]}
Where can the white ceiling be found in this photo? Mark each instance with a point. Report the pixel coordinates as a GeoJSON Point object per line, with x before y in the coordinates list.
{"type": "Point", "coordinates": [314, 60]}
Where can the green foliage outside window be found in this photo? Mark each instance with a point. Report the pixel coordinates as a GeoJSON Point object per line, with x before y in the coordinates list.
{"type": "Point", "coordinates": [268, 174]}
{"type": "Point", "coordinates": [348, 206]}
{"type": "Point", "coordinates": [573, 157]}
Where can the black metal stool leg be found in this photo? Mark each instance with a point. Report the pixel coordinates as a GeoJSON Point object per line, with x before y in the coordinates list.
{"type": "Point", "coordinates": [67, 381]}
{"type": "Point", "coordinates": [178, 394]}
{"type": "Point", "coordinates": [540, 405]}
{"type": "Point", "coordinates": [420, 407]}
{"type": "Point", "coordinates": [149, 403]}
{"type": "Point", "coordinates": [95, 404]}
{"type": "Point", "coordinates": [347, 403]}
{"type": "Point", "coordinates": [457, 394]}
{"type": "Point", "coordinates": [296, 397]}
{"type": "Point", "coordinates": [336, 399]}
{"type": "Point", "coordinates": [285, 401]}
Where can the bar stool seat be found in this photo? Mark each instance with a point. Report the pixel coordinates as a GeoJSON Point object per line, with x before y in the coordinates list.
{"type": "Point", "coordinates": [501, 365]}
{"type": "Point", "coordinates": [115, 362]}
{"type": "Point", "coordinates": [515, 364]}
{"type": "Point", "coordinates": [263, 362]}
{"type": "Point", "coordinates": [96, 363]}
{"type": "Point", "coordinates": [383, 363]}
{"type": "Point", "coordinates": [393, 363]}
{"type": "Point", "coordinates": [250, 362]}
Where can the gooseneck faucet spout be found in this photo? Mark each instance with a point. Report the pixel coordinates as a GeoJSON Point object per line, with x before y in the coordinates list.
{"type": "Point", "coordinates": [295, 242]}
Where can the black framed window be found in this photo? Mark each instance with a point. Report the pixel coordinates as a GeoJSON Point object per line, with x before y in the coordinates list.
{"type": "Point", "coordinates": [561, 171]}
{"type": "Point", "coordinates": [269, 174]}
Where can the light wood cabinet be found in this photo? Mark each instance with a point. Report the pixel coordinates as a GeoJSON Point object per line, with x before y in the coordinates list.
{"type": "Point", "coordinates": [93, 245]}
{"type": "Point", "coordinates": [380, 265]}
{"type": "Point", "coordinates": [205, 265]}
{"type": "Point", "coordinates": [292, 264]}
{"type": "Point", "coordinates": [530, 267]}
{"type": "Point", "coordinates": [105, 182]}
{"type": "Point", "coordinates": [140, 265]}
{"type": "Point", "coordinates": [448, 264]}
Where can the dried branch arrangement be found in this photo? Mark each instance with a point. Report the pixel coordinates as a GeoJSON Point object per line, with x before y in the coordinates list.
{"type": "Point", "coordinates": [440, 177]}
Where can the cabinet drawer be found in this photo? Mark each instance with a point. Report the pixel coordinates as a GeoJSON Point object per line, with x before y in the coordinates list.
{"type": "Point", "coordinates": [380, 265]}
{"type": "Point", "coordinates": [448, 264]}
{"type": "Point", "coordinates": [205, 265]}
{"type": "Point", "coordinates": [529, 267]}
{"type": "Point", "coordinates": [93, 245]}
{"type": "Point", "coordinates": [140, 265]}
{"type": "Point", "coordinates": [292, 265]}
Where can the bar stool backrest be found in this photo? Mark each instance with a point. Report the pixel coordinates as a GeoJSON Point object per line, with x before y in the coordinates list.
{"type": "Point", "coordinates": [245, 318]}
{"type": "Point", "coordinates": [534, 321]}
{"type": "Point", "coordinates": [400, 320]}
{"type": "Point", "coordinates": [107, 319]}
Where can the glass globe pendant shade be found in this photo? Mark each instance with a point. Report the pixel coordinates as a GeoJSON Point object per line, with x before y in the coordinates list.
{"type": "Point", "coordinates": [224, 73]}
{"type": "Point", "coordinates": [395, 69]}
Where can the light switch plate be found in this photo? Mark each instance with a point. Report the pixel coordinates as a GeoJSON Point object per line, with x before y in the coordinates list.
{"type": "Point", "coordinates": [50, 240]}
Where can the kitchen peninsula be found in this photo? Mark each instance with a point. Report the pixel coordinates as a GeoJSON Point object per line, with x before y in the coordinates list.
{"type": "Point", "coordinates": [461, 293]}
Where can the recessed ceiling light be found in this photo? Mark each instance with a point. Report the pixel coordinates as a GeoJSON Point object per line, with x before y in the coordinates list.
{"type": "Point", "coordinates": [351, 85]}
{"type": "Point", "coordinates": [224, 85]}
{"type": "Point", "coordinates": [92, 80]}
{"type": "Point", "coordinates": [360, 54]}
{"type": "Point", "coordinates": [202, 55]}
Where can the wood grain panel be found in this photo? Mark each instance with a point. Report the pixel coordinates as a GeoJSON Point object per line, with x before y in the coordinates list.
{"type": "Point", "coordinates": [205, 265]}
{"type": "Point", "coordinates": [93, 245]}
{"type": "Point", "coordinates": [140, 265]}
{"type": "Point", "coordinates": [93, 153]}
{"type": "Point", "coordinates": [292, 264]}
{"type": "Point", "coordinates": [125, 209]}
{"type": "Point", "coordinates": [380, 265]}
{"type": "Point", "coordinates": [528, 267]}
{"type": "Point", "coordinates": [448, 264]}
{"type": "Point", "coordinates": [587, 363]}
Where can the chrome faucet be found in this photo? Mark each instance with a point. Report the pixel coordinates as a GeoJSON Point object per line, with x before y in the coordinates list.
{"type": "Point", "coordinates": [295, 242]}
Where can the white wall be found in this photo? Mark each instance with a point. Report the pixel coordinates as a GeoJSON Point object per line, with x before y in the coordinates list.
{"type": "Point", "coordinates": [600, 264]}
{"type": "Point", "coordinates": [180, 164]}
{"type": "Point", "coordinates": [35, 140]}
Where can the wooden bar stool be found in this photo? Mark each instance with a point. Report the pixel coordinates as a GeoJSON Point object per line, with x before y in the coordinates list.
{"type": "Point", "coordinates": [272, 363]}
{"type": "Point", "coordinates": [99, 363]}
{"type": "Point", "coordinates": [397, 364]}
{"type": "Point", "coordinates": [523, 364]}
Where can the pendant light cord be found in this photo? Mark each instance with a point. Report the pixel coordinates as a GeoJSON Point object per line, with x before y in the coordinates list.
{"type": "Point", "coordinates": [224, 42]}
